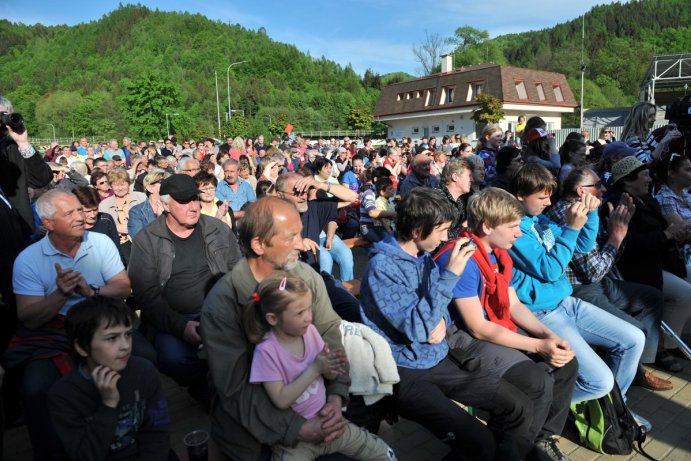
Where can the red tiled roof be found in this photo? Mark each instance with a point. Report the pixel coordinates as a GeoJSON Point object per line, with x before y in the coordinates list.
{"type": "Point", "coordinates": [497, 80]}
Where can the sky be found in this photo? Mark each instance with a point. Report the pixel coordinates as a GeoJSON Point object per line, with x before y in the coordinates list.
{"type": "Point", "coordinates": [376, 34]}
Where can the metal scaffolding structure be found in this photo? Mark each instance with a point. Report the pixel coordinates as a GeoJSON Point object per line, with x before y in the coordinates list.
{"type": "Point", "coordinates": [668, 72]}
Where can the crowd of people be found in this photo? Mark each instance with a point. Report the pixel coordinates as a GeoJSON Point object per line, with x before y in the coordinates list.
{"type": "Point", "coordinates": [516, 277]}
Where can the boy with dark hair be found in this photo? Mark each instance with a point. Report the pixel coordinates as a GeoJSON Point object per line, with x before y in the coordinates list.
{"type": "Point", "coordinates": [111, 406]}
{"type": "Point", "coordinates": [540, 258]}
{"type": "Point", "coordinates": [404, 298]}
{"type": "Point", "coordinates": [486, 313]}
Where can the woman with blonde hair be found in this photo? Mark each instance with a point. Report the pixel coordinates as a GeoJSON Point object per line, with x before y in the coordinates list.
{"type": "Point", "coordinates": [149, 210]}
{"type": "Point", "coordinates": [637, 133]}
{"type": "Point", "coordinates": [487, 147]}
{"type": "Point", "coordinates": [118, 205]}
{"type": "Point", "coordinates": [237, 148]}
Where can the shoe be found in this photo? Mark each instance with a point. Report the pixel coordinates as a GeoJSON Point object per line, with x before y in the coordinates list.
{"type": "Point", "coordinates": [550, 448]}
{"type": "Point", "coordinates": [667, 362]}
{"type": "Point", "coordinates": [642, 422]}
{"type": "Point", "coordinates": [649, 381]}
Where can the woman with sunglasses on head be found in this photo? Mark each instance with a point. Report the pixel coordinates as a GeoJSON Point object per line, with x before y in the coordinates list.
{"type": "Point", "coordinates": [638, 135]}
{"type": "Point", "coordinates": [147, 211]}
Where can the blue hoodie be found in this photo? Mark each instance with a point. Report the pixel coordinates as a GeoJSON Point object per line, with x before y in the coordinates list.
{"type": "Point", "coordinates": [403, 298]}
{"type": "Point", "coordinates": [539, 268]}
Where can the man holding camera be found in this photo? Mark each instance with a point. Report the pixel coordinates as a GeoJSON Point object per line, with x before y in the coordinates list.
{"type": "Point", "coordinates": [21, 166]}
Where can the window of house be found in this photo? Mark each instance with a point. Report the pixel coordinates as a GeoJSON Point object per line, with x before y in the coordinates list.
{"type": "Point", "coordinates": [429, 97]}
{"type": "Point", "coordinates": [557, 93]}
{"type": "Point", "coordinates": [409, 95]}
{"type": "Point", "coordinates": [418, 94]}
{"type": "Point", "coordinates": [450, 128]}
{"type": "Point", "coordinates": [416, 130]}
{"type": "Point", "coordinates": [447, 93]}
{"type": "Point", "coordinates": [450, 93]}
{"type": "Point", "coordinates": [435, 129]}
{"type": "Point", "coordinates": [399, 96]}
{"type": "Point", "coordinates": [474, 90]}
{"type": "Point", "coordinates": [520, 89]}
{"type": "Point", "coordinates": [540, 91]}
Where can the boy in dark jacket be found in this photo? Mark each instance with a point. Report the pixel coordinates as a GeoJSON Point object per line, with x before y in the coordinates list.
{"type": "Point", "coordinates": [111, 407]}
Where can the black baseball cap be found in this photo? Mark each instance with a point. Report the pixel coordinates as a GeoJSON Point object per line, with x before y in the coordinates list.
{"type": "Point", "coordinates": [181, 187]}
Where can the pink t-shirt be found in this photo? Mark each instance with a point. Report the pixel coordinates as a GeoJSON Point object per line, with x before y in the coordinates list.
{"type": "Point", "coordinates": [271, 362]}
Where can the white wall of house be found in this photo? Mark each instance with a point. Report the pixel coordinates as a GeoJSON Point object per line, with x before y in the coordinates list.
{"type": "Point", "coordinates": [460, 122]}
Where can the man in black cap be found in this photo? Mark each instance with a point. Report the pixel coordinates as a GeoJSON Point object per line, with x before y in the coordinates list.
{"type": "Point", "coordinates": [175, 261]}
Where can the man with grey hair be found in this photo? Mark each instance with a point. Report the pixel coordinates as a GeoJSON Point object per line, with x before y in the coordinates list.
{"type": "Point", "coordinates": [50, 277]}
{"type": "Point", "coordinates": [21, 166]}
{"type": "Point", "coordinates": [112, 150]}
{"type": "Point", "coordinates": [419, 175]}
{"type": "Point", "coordinates": [237, 191]}
{"type": "Point", "coordinates": [456, 180]}
{"type": "Point", "coordinates": [74, 177]}
{"type": "Point", "coordinates": [188, 166]}
{"type": "Point", "coordinates": [175, 261]}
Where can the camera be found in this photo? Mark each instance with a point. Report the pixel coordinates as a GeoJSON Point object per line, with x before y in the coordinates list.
{"type": "Point", "coordinates": [469, 243]}
{"type": "Point", "coordinates": [14, 120]}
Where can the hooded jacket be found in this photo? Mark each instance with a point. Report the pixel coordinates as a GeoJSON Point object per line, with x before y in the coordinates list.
{"type": "Point", "coordinates": [403, 299]}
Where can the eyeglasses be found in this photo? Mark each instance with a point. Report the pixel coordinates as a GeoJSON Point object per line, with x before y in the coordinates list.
{"type": "Point", "coordinates": [100, 183]}
{"type": "Point", "coordinates": [597, 185]}
{"type": "Point", "coordinates": [191, 169]}
{"type": "Point", "coordinates": [208, 190]}
{"type": "Point", "coordinates": [158, 181]}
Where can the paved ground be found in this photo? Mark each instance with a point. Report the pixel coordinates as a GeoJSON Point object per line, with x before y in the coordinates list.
{"type": "Point", "coordinates": [670, 440]}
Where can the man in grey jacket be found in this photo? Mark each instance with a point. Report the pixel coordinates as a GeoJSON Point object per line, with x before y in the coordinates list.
{"type": "Point", "coordinates": [175, 261]}
{"type": "Point", "coordinates": [243, 418]}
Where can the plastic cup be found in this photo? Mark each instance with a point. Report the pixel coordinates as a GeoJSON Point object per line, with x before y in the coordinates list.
{"type": "Point", "coordinates": [197, 443]}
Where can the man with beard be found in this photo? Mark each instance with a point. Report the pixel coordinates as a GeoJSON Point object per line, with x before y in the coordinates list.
{"type": "Point", "coordinates": [243, 417]}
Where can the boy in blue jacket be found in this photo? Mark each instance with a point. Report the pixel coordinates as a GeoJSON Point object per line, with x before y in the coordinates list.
{"type": "Point", "coordinates": [404, 298]}
{"type": "Point", "coordinates": [540, 258]}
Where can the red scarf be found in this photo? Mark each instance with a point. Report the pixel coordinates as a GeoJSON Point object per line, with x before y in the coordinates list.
{"type": "Point", "coordinates": [495, 294]}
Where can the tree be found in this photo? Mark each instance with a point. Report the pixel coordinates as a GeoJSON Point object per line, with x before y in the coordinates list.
{"type": "Point", "coordinates": [236, 126]}
{"type": "Point", "coordinates": [490, 110]}
{"type": "Point", "coordinates": [147, 100]}
{"type": "Point", "coordinates": [359, 118]}
{"type": "Point", "coordinates": [466, 36]}
{"type": "Point", "coordinates": [428, 53]}
{"type": "Point", "coordinates": [278, 124]}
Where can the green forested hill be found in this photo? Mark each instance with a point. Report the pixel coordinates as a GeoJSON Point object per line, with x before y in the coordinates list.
{"type": "Point", "coordinates": [620, 40]}
{"type": "Point", "coordinates": [91, 78]}
{"type": "Point", "coordinates": [123, 73]}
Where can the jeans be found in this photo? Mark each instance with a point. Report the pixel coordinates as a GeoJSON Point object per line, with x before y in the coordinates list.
{"type": "Point", "coordinates": [677, 292]}
{"type": "Point", "coordinates": [339, 253]}
{"type": "Point", "coordinates": [584, 325]}
{"type": "Point", "coordinates": [640, 305]}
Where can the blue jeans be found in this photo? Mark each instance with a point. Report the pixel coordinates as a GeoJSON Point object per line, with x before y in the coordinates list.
{"type": "Point", "coordinates": [584, 325]}
{"type": "Point", "coordinates": [640, 305]}
{"type": "Point", "coordinates": [341, 254]}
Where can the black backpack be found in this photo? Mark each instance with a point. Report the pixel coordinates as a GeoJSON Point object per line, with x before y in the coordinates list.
{"type": "Point", "coordinates": [606, 425]}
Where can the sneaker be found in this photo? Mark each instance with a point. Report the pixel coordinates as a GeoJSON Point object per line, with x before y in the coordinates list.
{"type": "Point", "coordinates": [642, 422]}
{"type": "Point", "coordinates": [649, 381]}
{"type": "Point", "coordinates": [550, 448]}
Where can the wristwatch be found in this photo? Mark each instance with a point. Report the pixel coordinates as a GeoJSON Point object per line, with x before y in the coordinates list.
{"type": "Point", "coordinates": [96, 289]}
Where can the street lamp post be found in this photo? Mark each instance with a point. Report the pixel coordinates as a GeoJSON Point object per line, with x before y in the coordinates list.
{"type": "Point", "coordinates": [218, 105]}
{"type": "Point", "coordinates": [168, 124]}
{"type": "Point", "coordinates": [53, 126]}
{"type": "Point", "coordinates": [228, 77]}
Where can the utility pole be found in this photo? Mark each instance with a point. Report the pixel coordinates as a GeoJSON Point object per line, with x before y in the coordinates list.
{"type": "Point", "coordinates": [218, 105]}
{"type": "Point", "coordinates": [228, 77]}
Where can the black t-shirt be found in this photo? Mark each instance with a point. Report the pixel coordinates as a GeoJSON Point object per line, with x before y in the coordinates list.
{"type": "Point", "coordinates": [190, 278]}
{"type": "Point", "coordinates": [319, 213]}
